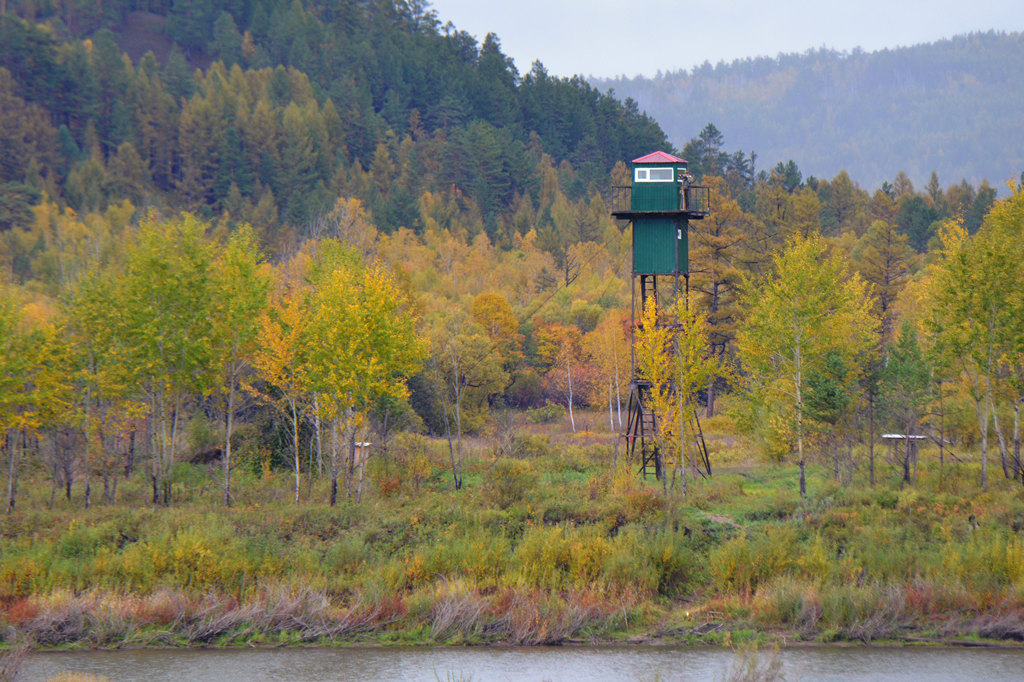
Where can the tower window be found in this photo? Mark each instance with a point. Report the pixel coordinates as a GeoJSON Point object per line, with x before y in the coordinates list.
{"type": "Point", "coordinates": [654, 175]}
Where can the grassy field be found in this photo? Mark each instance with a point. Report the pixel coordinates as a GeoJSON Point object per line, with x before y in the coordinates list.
{"type": "Point", "coordinates": [556, 544]}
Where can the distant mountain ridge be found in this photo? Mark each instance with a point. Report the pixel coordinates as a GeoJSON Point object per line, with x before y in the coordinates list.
{"type": "Point", "coordinates": [953, 106]}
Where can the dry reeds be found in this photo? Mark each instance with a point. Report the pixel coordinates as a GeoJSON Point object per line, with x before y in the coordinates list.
{"type": "Point", "coordinates": [11, 657]}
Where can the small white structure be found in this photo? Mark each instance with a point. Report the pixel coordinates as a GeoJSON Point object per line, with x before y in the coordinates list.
{"type": "Point", "coordinates": [910, 442]}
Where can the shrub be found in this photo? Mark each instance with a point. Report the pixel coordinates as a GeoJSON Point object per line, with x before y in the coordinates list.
{"type": "Point", "coordinates": [548, 414]}
{"type": "Point", "coordinates": [508, 480]}
{"type": "Point", "coordinates": [660, 562]}
{"type": "Point", "coordinates": [556, 557]}
{"type": "Point", "coordinates": [741, 564]}
{"type": "Point", "coordinates": [528, 446]}
{"type": "Point", "coordinates": [887, 499]}
{"type": "Point", "coordinates": [784, 601]}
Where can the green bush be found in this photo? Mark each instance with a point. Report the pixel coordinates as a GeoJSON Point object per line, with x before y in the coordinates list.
{"type": "Point", "coordinates": [548, 414]}
{"type": "Point", "coordinates": [508, 480]}
{"type": "Point", "coordinates": [740, 565]}
{"type": "Point", "coordinates": [529, 446]}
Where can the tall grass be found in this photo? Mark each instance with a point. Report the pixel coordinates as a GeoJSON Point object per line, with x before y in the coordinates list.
{"type": "Point", "coordinates": [547, 546]}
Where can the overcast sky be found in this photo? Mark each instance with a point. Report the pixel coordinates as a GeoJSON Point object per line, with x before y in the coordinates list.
{"type": "Point", "coordinates": [608, 38]}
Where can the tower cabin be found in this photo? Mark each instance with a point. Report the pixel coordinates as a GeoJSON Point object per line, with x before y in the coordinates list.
{"type": "Point", "coordinates": [662, 202]}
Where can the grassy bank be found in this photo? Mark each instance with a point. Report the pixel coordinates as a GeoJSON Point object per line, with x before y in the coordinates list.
{"type": "Point", "coordinates": [552, 547]}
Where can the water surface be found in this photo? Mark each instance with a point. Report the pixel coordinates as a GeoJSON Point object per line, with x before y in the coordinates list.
{"type": "Point", "coordinates": [540, 663]}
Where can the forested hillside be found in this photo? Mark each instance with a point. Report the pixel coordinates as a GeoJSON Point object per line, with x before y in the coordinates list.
{"type": "Point", "coordinates": [304, 103]}
{"type": "Point", "coordinates": [949, 106]}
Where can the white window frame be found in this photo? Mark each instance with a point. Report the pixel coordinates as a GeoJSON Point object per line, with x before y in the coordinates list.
{"type": "Point", "coordinates": [644, 174]}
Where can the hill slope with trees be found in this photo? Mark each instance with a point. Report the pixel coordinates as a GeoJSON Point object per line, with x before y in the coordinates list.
{"type": "Point", "coordinates": [294, 104]}
{"type": "Point", "coordinates": [949, 106]}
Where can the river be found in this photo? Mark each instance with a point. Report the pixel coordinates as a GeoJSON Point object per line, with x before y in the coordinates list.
{"type": "Point", "coordinates": [547, 663]}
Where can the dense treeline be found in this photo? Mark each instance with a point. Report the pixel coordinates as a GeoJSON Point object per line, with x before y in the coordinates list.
{"type": "Point", "coordinates": [542, 322]}
{"type": "Point", "coordinates": [946, 106]}
{"type": "Point", "coordinates": [367, 99]}
{"type": "Point", "coordinates": [483, 195]}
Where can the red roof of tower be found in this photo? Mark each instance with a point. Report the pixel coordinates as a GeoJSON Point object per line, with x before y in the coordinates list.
{"type": "Point", "coordinates": [659, 157]}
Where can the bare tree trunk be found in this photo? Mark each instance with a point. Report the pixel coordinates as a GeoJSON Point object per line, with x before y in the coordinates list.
{"type": "Point", "coordinates": [309, 469]}
{"type": "Point", "coordinates": [981, 407]}
{"type": "Point", "coordinates": [458, 434]}
{"type": "Point", "coordinates": [1001, 440]}
{"type": "Point", "coordinates": [350, 457]}
{"type": "Point", "coordinates": [362, 457]}
{"type": "Point", "coordinates": [174, 447]}
{"type": "Point", "coordinates": [568, 373]}
{"type": "Point", "coordinates": [871, 440]}
{"type": "Point", "coordinates": [129, 460]}
{"type": "Point", "coordinates": [1018, 471]}
{"type": "Point", "coordinates": [295, 449]}
{"type": "Point", "coordinates": [319, 443]}
{"type": "Point", "coordinates": [157, 442]}
{"type": "Point", "coordinates": [611, 415]}
{"type": "Point", "coordinates": [445, 408]}
{"type": "Point", "coordinates": [800, 456]}
{"type": "Point", "coordinates": [334, 461]}
{"type": "Point", "coordinates": [11, 472]}
{"type": "Point", "coordinates": [229, 415]}
{"type": "Point", "coordinates": [942, 435]}
{"type": "Point", "coordinates": [456, 467]}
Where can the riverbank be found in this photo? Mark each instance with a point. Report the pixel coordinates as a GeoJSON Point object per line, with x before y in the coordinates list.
{"type": "Point", "coordinates": [556, 547]}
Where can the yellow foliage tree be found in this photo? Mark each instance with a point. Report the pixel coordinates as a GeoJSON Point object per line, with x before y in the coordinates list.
{"type": "Point", "coordinates": [807, 306]}
{"type": "Point", "coordinates": [673, 352]}
{"type": "Point", "coordinates": [362, 344]}
{"type": "Point", "coordinates": [608, 347]}
{"type": "Point", "coordinates": [25, 379]}
{"type": "Point", "coordinates": [281, 357]}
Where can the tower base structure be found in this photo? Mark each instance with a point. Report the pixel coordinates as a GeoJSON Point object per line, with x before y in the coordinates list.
{"type": "Point", "coordinates": [641, 428]}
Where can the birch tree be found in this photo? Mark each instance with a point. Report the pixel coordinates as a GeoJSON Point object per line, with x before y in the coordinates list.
{"type": "Point", "coordinates": [466, 367]}
{"type": "Point", "coordinates": [281, 358]}
{"type": "Point", "coordinates": [680, 362]}
{"type": "Point", "coordinates": [240, 286]}
{"type": "Point", "coordinates": [559, 347]}
{"type": "Point", "coordinates": [978, 319]}
{"type": "Point", "coordinates": [807, 305]}
{"type": "Point", "coordinates": [161, 311]}
{"type": "Point", "coordinates": [608, 346]}
{"type": "Point", "coordinates": [22, 354]}
{"type": "Point", "coordinates": [363, 344]}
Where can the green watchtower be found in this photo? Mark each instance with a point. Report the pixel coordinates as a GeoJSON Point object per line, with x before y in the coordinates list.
{"type": "Point", "coordinates": [662, 202]}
